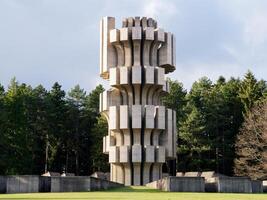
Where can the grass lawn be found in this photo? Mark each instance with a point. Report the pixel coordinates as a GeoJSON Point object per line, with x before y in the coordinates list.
{"type": "Point", "coordinates": [136, 193]}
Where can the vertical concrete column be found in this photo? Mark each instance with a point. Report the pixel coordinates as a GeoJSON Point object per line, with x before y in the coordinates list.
{"type": "Point", "coordinates": [115, 40]}
{"type": "Point", "coordinates": [136, 148]}
{"type": "Point", "coordinates": [148, 39]}
{"type": "Point", "coordinates": [150, 113]}
{"type": "Point", "coordinates": [137, 81]}
{"type": "Point", "coordinates": [149, 81]}
{"type": "Point", "coordinates": [108, 56]}
{"type": "Point", "coordinates": [126, 148]}
{"type": "Point", "coordinates": [128, 175]}
{"type": "Point", "coordinates": [136, 37]}
{"type": "Point", "coordinates": [159, 39]}
{"type": "Point", "coordinates": [125, 38]}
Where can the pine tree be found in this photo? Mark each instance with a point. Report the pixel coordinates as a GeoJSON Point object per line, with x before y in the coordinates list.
{"type": "Point", "coordinates": [76, 101]}
{"type": "Point", "coordinates": [38, 121]}
{"type": "Point", "coordinates": [55, 136]}
{"type": "Point", "coordinates": [98, 127]}
{"type": "Point", "coordinates": [3, 136]}
{"type": "Point", "coordinates": [251, 91]}
{"type": "Point", "coordinates": [194, 141]}
{"type": "Point", "coordinates": [175, 99]}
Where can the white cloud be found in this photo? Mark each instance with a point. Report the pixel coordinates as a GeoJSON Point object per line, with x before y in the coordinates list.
{"type": "Point", "coordinates": [252, 16]}
{"type": "Point", "coordinates": [154, 8]}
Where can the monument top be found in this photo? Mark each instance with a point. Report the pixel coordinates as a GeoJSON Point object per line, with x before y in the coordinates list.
{"type": "Point", "coordinates": [117, 45]}
{"type": "Point", "coordinates": [138, 21]}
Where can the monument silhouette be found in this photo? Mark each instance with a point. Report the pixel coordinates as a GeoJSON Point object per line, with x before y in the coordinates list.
{"type": "Point", "coordinates": [142, 131]}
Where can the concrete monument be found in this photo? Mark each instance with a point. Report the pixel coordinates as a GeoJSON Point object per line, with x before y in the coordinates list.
{"type": "Point", "coordinates": [142, 131]}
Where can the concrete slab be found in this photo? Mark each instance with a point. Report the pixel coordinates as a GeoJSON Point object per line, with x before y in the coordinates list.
{"type": "Point", "coordinates": [179, 184]}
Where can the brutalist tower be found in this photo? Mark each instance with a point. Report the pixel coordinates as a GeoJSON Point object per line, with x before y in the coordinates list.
{"type": "Point", "coordinates": [142, 131]}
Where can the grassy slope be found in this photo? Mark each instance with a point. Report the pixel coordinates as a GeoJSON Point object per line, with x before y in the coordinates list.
{"type": "Point", "coordinates": [134, 193]}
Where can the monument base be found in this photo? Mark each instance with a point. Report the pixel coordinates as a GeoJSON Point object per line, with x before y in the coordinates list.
{"type": "Point", "coordinates": [33, 184]}
{"type": "Point", "coordinates": [179, 184]}
{"type": "Point", "coordinates": [233, 185]}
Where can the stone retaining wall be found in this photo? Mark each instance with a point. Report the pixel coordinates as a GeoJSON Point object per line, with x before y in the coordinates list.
{"type": "Point", "coordinates": [257, 186]}
{"type": "Point", "coordinates": [2, 184]}
{"type": "Point", "coordinates": [179, 184]}
{"type": "Point", "coordinates": [264, 185]}
{"type": "Point", "coordinates": [233, 185]}
{"type": "Point", "coordinates": [31, 184]}
{"type": "Point", "coordinates": [19, 184]}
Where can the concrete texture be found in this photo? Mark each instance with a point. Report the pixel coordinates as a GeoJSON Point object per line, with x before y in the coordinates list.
{"type": "Point", "coordinates": [257, 186]}
{"type": "Point", "coordinates": [208, 174]}
{"type": "Point", "coordinates": [2, 184]}
{"type": "Point", "coordinates": [70, 184]}
{"type": "Point", "coordinates": [142, 132]}
{"type": "Point", "coordinates": [45, 184]}
{"type": "Point", "coordinates": [192, 174]}
{"type": "Point", "coordinates": [264, 186]}
{"type": "Point", "coordinates": [20, 184]}
{"type": "Point", "coordinates": [179, 184]}
{"type": "Point", "coordinates": [211, 185]}
{"type": "Point", "coordinates": [215, 182]}
{"type": "Point", "coordinates": [101, 175]}
{"type": "Point", "coordinates": [31, 184]}
{"type": "Point", "coordinates": [79, 184]}
{"type": "Point", "coordinates": [234, 184]}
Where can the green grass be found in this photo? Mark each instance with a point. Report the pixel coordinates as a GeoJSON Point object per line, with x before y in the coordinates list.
{"type": "Point", "coordinates": [135, 193]}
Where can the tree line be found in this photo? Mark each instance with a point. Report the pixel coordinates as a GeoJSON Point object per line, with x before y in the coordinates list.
{"type": "Point", "coordinates": [221, 127]}
{"type": "Point", "coordinates": [44, 130]}
{"type": "Point", "coordinates": [211, 133]}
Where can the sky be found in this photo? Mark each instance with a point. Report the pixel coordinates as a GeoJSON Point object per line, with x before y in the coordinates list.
{"type": "Point", "coordinates": [44, 41]}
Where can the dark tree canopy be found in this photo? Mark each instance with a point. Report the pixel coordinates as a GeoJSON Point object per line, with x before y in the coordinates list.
{"type": "Point", "coordinates": [44, 130]}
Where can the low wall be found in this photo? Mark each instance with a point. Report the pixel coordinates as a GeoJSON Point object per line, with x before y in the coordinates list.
{"type": "Point", "coordinates": [99, 184]}
{"type": "Point", "coordinates": [211, 185]}
{"type": "Point", "coordinates": [2, 184]}
{"type": "Point", "coordinates": [179, 184]}
{"type": "Point", "coordinates": [234, 184]}
{"type": "Point", "coordinates": [256, 186]}
{"type": "Point", "coordinates": [264, 185]}
{"type": "Point", "coordinates": [45, 184]}
{"type": "Point", "coordinates": [77, 184]}
{"type": "Point", "coordinates": [31, 184]}
{"type": "Point", "coordinates": [187, 184]}
{"type": "Point", "coordinates": [70, 184]}
{"type": "Point", "coordinates": [19, 184]}
{"type": "Point", "coordinates": [161, 184]}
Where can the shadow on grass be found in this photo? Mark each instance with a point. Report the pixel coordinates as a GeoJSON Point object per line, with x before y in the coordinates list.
{"type": "Point", "coordinates": [134, 189]}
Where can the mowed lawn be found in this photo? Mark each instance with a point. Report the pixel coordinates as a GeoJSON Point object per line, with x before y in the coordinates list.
{"type": "Point", "coordinates": [136, 193]}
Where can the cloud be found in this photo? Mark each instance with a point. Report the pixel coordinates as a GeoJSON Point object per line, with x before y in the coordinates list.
{"type": "Point", "coordinates": [154, 8]}
{"type": "Point", "coordinates": [252, 17]}
{"type": "Point", "coordinates": [47, 41]}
